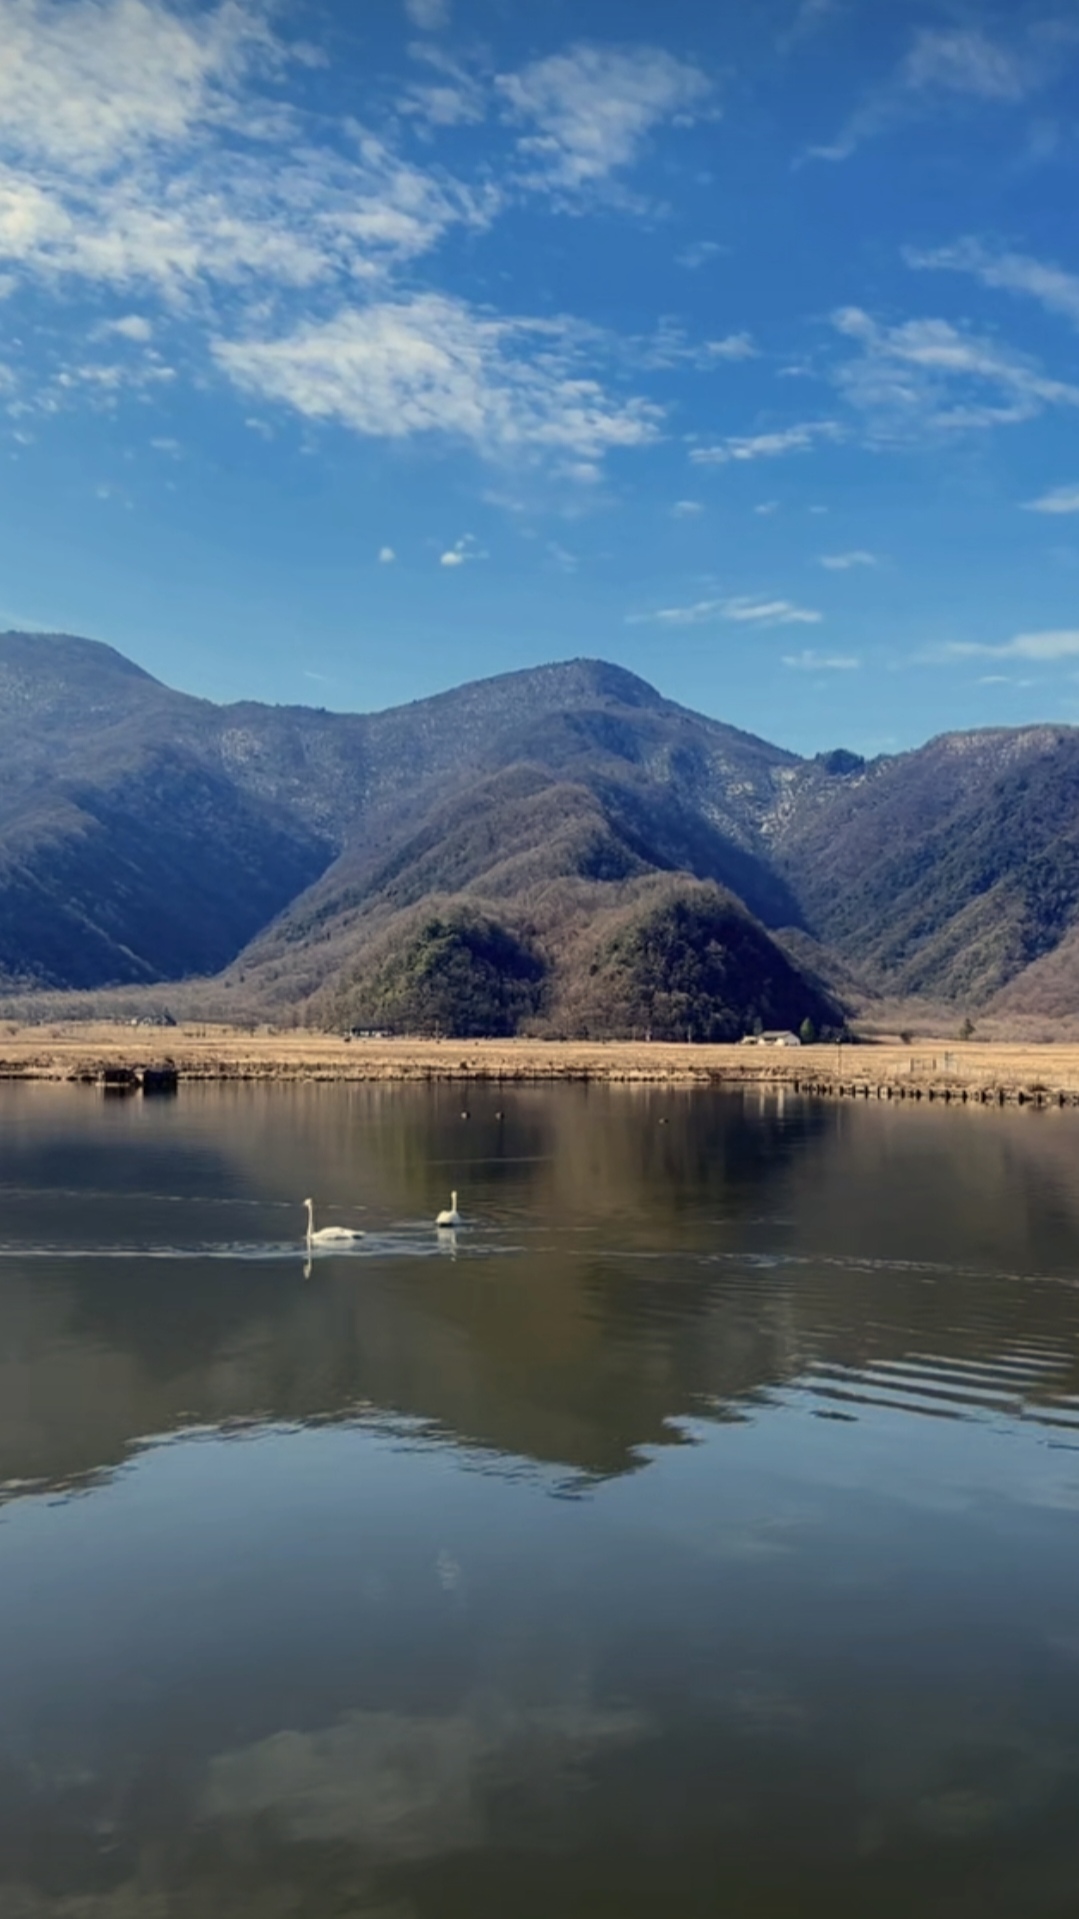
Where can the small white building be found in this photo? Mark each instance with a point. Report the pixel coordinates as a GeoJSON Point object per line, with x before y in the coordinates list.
{"type": "Point", "coordinates": [771, 1039]}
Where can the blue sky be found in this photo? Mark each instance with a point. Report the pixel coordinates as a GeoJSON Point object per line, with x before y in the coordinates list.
{"type": "Point", "coordinates": [348, 352]}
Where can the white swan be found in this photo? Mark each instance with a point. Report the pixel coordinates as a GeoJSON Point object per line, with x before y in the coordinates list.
{"type": "Point", "coordinates": [450, 1217]}
{"type": "Point", "coordinates": [329, 1235]}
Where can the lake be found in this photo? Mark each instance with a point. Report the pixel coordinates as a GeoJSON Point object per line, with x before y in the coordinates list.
{"type": "Point", "coordinates": [695, 1532]}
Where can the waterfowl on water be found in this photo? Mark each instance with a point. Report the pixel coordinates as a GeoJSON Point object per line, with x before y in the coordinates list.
{"type": "Point", "coordinates": [329, 1235]}
{"type": "Point", "coordinates": [450, 1217]}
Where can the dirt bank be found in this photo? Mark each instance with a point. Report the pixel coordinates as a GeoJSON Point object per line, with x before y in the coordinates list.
{"type": "Point", "coordinates": [1038, 1074]}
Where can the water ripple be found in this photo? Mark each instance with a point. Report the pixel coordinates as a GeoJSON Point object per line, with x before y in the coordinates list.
{"type": "Point", "coordinates": [942, 1387]}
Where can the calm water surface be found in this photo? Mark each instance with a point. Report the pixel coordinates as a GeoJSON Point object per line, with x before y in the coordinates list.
{"type": "Point", "coordinates": [694, 1533]}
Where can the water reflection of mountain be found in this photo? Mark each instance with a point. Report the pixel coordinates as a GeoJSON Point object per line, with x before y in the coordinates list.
{"type": "Point", "coordinates": [639, 1258]}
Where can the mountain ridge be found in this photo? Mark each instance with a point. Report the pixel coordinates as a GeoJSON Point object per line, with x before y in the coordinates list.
{"type": "Point", "coordinates": [149, 835]}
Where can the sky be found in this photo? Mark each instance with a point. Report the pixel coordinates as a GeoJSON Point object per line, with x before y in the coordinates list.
{"type": "Point", "coordinates": [354, 349]}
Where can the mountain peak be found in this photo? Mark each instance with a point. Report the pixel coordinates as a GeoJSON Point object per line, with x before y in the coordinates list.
{"type": "Point", "coordinates": [66, 655]}
{"type": "Point", "coordinates": [604, 678]}
{"type": "Point", "coordinates": [558, 683]}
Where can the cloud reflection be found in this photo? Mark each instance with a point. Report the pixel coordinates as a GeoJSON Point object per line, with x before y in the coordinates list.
{"type": "Point", "coordinates": [410, 1786]}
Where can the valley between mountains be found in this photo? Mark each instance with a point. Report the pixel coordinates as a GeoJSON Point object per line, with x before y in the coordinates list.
{"type": "Point", "coordinates": [560, 851]}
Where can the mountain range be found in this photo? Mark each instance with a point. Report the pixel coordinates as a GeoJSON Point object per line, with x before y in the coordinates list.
{"type": "Point", "coordinates": [556, 850]}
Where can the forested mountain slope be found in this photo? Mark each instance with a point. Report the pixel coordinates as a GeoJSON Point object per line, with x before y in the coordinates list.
{"type": "Point", "coordinates": [948, 870]}
{"type": "Point", "coordinates": [147, 836]}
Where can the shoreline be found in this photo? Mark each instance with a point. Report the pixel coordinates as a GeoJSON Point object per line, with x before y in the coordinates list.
{"type": "Point", "coordinates": [962, 1071]}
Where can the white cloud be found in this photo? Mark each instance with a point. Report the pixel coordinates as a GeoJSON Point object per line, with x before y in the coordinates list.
{"type": "Point", "coordinates": [1062, 499]}
{"type": "Point", "coordinates": [965, 60]}
{"type": "Point", "coordinates": [669, 346]}
{"type": "Point", "coordinates": [767, 446]}
{"type": "Point", "coordinates": [430, 16]}
{"type": "Point", "coordinates": [762, 612]}
{"type": "Point", "coordinates": [99, 383]}
{"type": "Point", "coordinates": [686, 509]}
{"type": "Point", "coordinates": [446, 104]}
{"type": "Point", "coordinates": [593, 109]}
{"type": "Point", "coordinates": [949, 62]}
{"type": "Point", "coordinates": [807, 661]}
{"type": "Point", "coordinates": [296, 224]}
{"type": "Point", "coordinates": [846, 562]}
{"type": "Point", "coordinates": [743, 609]}
{"type": "Point", "coordinates": [144, 149]}
{"type": "Point", "coordinates": [734, 346]}
{"type": "Point", "coordinates": [132, 326]}
{"type": "Point", "coordinates": [697, 254]}
{"type": "Point", "coordinates": [138, 147]}
{"type": "Point", "coordinates": [1054, 287]}
{"type": "Point", "coordinates": [386, 556]}
{"type": "Point", "coordinates": [433, 365]}
{"type": "Point", "coordinates": [462, 551]}
{"type": "Point", "coordinates": [766, 508]}
{"type": "Point", "coordinates": [90, 82]}
{"type": "Point", "coordinates": [926, 377]}
{"type": "Point", "coordinates": [1057, 644]}
{"type": "Point", "coordinates": [137, 233]}
{"type": "Point", "coordinates": [588, 472]}
{"type": "Point", "coordinates": [695, 615]}
{"type": "Point", "coordinates": [811, 16]}
{"type": "Point", "coordinates": [457, 98]}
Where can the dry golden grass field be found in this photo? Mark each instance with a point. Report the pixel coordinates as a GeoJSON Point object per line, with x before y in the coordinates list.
{"type": "Point", "coordinates": [928, 1068]}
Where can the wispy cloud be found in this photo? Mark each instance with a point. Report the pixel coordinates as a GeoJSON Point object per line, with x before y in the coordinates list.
{"type": "Point", "coordinates": [1062, 499]}
{"type": "Point", "coordinates": [430, 16]}
{"type": "Point", "coordinates": [734, 346]}
{"type": "Point", "coordinates": [761, 612]}
{"type": "Point", "coordinates": [1052, 286]}
{"type": "Point", "coordinates": [949, 63]}
{"type": "Point", "coordinates": [386, 556]}
{"type": "Point", "coordinates": [767, 446]}
{"type": "Point", "coordinates": [93, 82]}
{"type": "Point", "coordinates": [462, 551]}
{"type": "Point", "coordinates": [966, 60]}
{"type": "Point", "coordinates": [810, 17]}
{"type": "Point", "coordinates": [434, 365]}
{"type": "Point", "coordinates": [743, 610]}
{"type": "Point", "coordinates": [148, 151]}
{"type": "Point", "coordinates": [698, 254]}
{"type": "Point", "coordinates": [669, 346]}
{"type": "Point", "coordinates": [926, 377]}
{"type": "Point", "coordinates": [592, 109]}
{"type": "Point", "coordinates": [807, 661]}
{"type": "Point", "coordinates": [135, 146]}
{"type": "Point", "coordinates": [1056, 644]}
{"type": "Point", "coordinates": [92, 381]}
{"type": "Point", "coordinates": [457, 97]}
{"type": "Point", "coordinates": [686, 509]}
{"type": "Point", "coordinates": [131, 326]}
{"type": "Point", "coordinates": [846, 562]}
